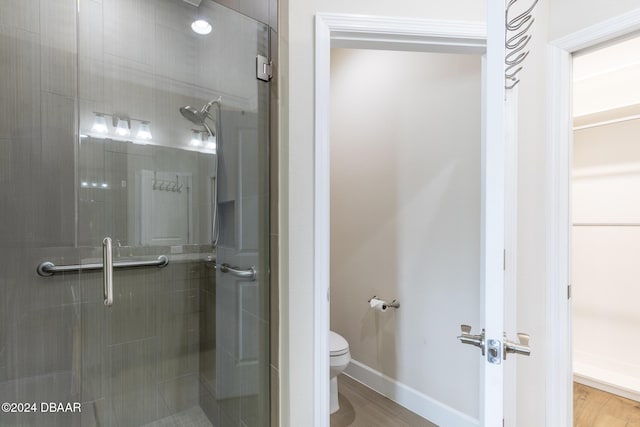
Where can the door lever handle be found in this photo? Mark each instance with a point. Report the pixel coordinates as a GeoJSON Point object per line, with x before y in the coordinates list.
{"type": "Point", "coordinates": [521, 347]}
{"type": "Point", "coordinates": [466, 337]}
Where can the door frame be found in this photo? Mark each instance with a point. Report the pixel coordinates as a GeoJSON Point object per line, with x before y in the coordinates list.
{"type": "Point", "coordinates": [358, 31]}
{"type": "Point", "coordinates": [559, 374]}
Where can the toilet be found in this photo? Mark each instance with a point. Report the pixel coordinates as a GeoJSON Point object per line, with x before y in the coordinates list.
{"type": "Point", "coordinates": [339, 358]}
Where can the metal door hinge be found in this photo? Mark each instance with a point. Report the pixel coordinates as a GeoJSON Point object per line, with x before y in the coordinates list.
{"type": "Point", "coordinates": [569, 291]}
{"type": "Point", "coordinates": [504, 260]}
{"type": "Point", "coordinates": [264, 68]}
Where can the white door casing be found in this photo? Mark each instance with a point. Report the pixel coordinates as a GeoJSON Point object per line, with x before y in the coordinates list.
{"type": "Point", "coordinates": [559, 375]}
{"type": "Point", "coordinates": [350, 31]}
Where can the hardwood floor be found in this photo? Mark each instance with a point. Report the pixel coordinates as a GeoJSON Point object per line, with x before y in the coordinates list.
{"type": "Point", "coordinates": [596, 408]}
{"type": "Point", "coordinates": [362, 407]}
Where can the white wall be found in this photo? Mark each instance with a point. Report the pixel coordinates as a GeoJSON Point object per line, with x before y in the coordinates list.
{"type": "Point", "coordinates": [606, 178]}
{"type": "Point", "coordinates": [296, 49]}
{"type": "Point", "coordinates": [606, 79]}
{"type": "Point", "coordinates": [569, 16]}
{"type": "Point", "coordinates": [405, 215]}
{"type": "Point", "coordinates": [554, 18]}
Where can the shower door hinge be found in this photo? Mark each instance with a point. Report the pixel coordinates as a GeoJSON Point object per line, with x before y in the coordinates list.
{"type": "Point", "coordinates": [264, 68]}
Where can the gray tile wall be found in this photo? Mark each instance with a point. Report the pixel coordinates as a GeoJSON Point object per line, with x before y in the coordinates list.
{"type": "Point", "coordinates": [39, 319]}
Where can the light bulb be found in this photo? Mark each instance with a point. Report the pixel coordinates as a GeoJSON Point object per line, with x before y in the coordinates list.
{"type": "Point", "coordinates": [122, 128]}
{"type": "Point", "coordinates": [99, 124]}
{"type": "Point", "coordinates": [196, 139]}
{"type": "Point", "coordinates": [200, 26]}
{"type": "Point", "coordinates": [144, 131]}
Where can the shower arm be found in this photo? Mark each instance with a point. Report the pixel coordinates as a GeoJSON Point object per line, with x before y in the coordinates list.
{"type": "Point", "coordinates": [208, 105]}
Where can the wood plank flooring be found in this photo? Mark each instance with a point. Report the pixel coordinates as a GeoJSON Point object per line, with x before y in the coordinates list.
{"type": "Point", "coordinates": [362, 407]}
{"type": "Point", "coordinates": [596, 408]}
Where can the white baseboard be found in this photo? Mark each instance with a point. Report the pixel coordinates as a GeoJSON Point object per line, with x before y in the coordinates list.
{"type": "Point", "coordinates": [412, 399]}
{"type": "Point", "coordinates": [617, 386]}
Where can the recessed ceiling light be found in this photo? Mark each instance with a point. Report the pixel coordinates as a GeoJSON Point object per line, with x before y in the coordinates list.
{"type": "Point", "coordinates": [201, 26]}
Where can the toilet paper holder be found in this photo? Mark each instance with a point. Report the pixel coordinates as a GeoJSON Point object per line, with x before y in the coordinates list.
{"type": "Point", "coordinates": [393, 304]}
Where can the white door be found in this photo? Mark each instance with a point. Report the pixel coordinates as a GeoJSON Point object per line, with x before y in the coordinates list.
{"type": "Point", "coordinates": [241, 277]}
{"type": "Point", "coordinates": [493, 341]}
{"type": "Point", "coordinates": [490, 340]}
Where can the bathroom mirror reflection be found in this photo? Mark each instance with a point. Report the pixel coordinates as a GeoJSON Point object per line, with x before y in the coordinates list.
{"type": "Point", "coordinates": [145, 194]}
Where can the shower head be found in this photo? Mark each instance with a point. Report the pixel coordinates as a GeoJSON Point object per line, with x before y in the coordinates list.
{"type": "Point", "coordinates": [194, 116]}
{"type": "Point", "coordinates": [199, 117]}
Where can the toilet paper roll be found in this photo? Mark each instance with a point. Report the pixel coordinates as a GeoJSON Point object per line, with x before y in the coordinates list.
{"type": "Point", "coordinates": [378, 305]}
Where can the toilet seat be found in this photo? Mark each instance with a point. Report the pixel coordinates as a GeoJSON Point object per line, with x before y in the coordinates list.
{"type": "Point", "coordinates": [338, 346]}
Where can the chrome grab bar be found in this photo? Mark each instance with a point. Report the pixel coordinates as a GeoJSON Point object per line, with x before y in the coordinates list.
{"type": "Point", "coordinates": [47, 268]}
{"type": "Point", "coordinates": [107, 274]}
{"type": "Point", "coordinates": [250, 273]}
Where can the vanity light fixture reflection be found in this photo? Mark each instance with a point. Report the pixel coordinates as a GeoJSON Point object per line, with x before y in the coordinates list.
{"type": "Point", "coordinates": [99, 124]}
{"type": "Point", "coordinates": [122, 127]}
{"type": "Point", "coordinates": [196, 139]}
{"type": "Point", "coordinates": [211, 144]}
{"type": "Point", "coordinates": [144, 131]}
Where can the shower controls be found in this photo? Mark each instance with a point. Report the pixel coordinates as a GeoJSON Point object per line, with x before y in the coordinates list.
{"type": "Point", "coordinates": [467, 338]}
{"type": "Point", "coordinates": [521, 347]}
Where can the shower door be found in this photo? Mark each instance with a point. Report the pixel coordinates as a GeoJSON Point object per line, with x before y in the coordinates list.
{"type": "Point", "coordinates": [94, 150]}
{"type": "Point", "coordinates": [182, 344]}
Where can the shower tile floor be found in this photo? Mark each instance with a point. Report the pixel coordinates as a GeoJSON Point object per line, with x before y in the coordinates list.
{"type": "Point", "coordinates": [193, 417]}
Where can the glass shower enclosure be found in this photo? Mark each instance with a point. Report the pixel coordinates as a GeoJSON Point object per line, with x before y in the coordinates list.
{"type": "Point", "coordinates": [134, 265]}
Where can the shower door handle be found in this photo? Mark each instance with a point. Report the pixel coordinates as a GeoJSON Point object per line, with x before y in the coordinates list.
{"type": "Point", "coordinates": [107, 272]}
{"type": "Point", "coordinates": [249, 273]}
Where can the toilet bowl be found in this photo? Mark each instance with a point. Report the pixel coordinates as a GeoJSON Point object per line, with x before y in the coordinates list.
{"type": "Point", "coordinates": [339, 358]}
